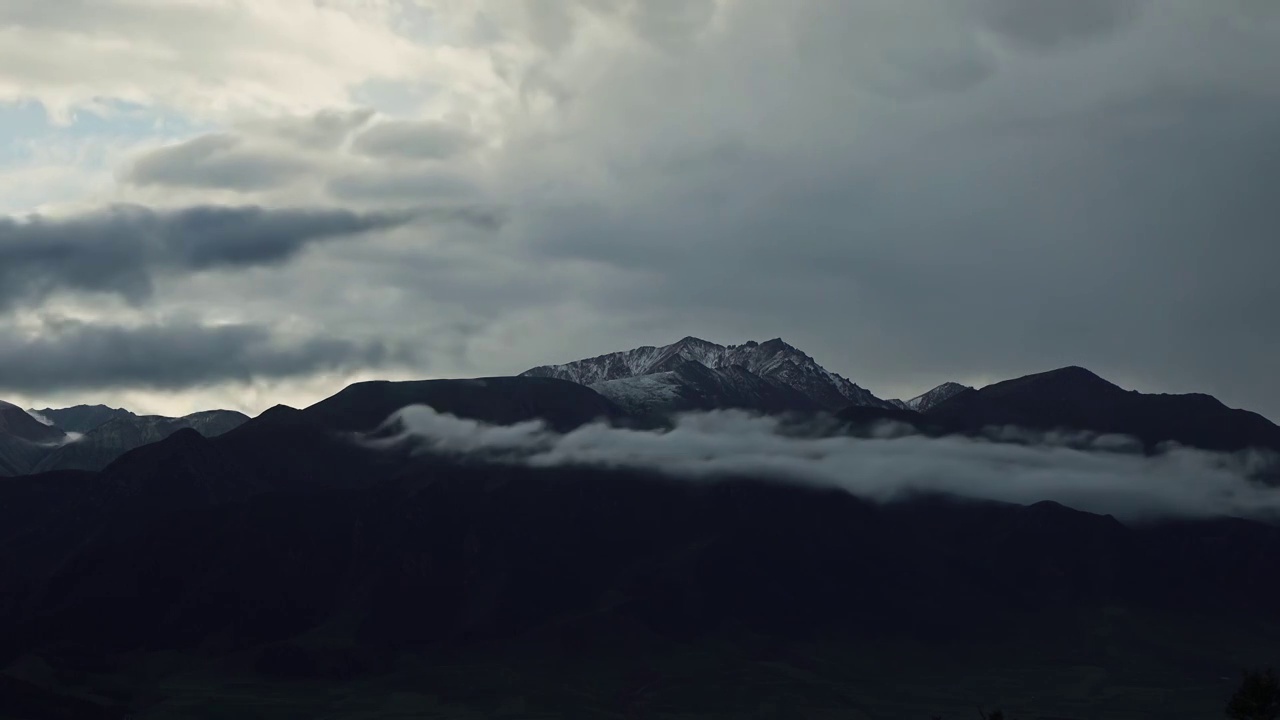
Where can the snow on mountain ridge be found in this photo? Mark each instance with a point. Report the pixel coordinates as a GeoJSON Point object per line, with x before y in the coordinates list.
{"type": "Point", "coordinates": [935, 397]}
{"type": "Point", "coordinates": [773, 360]}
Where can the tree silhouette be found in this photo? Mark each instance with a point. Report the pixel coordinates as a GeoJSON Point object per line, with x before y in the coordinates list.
{"type": "Point", "coordinates": [1258, 697]}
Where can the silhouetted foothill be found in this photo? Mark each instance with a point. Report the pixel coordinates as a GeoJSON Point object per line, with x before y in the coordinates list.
{"type": "Point", "coordinates": [1258, 697]}
{"type": "Point", "coordinates": [1074, 398]}
{"type": "Point", "coordinates": [290, 548]}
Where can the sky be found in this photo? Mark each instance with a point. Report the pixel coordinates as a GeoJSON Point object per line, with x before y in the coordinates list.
{"type": "Point", "coordinates": [235, 203]}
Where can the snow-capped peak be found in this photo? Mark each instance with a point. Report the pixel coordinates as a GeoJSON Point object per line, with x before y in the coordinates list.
{"type": "Point", "coordinates": [935, 397]}
{"type": "Point", "coordinates": [773, 360]}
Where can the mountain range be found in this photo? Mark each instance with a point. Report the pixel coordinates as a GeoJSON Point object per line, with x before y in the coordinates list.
{"type": "Point", "coordinates": [79, 419]}
{"type": "Point", "coordinates": [931, 399]}
{"type": "Point", "coordinates": [90, 437]}
{"type": "Point", "coordinates": [290, 565]}
{"type": "Point", "coordinates": [770, 376]}
{"type": "Point", "coordinates": [775, 377]}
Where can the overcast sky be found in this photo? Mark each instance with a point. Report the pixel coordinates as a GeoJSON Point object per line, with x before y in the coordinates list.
{"type": "Point", "coordinates": [225, 203]}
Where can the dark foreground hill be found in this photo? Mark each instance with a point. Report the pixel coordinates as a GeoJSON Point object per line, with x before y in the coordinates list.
{"type": "Point", "coordinates": [1075, 398]}
{"type": "Point", "coordinates": [116, 436]}
{"type": "Point", "coordinates": [280, 570]}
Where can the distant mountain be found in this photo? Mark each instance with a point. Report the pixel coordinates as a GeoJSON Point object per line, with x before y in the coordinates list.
{"type": "Point", "coordinates": [100, 446]}
{"type": "Point", "coordinates": [82, 418]}
{"type": "Point", "coordinates": [280, 550]}
{"type": "Point", "coordinates": [774, 362]}
{"type": "Point", "coordinates": [23, 439]}
{"type": "Point", "coordinates": [18, 423]}
{"type": "Point", "coordinates": [933, 398]}
{"type": "Point", "coordinates": [1075, 398]}
{"type": "Point", "coordinates": [201, 551]}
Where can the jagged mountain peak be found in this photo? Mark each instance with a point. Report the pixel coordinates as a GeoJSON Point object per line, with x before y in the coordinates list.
{"type": "Point", "coordinates": [81, 418]}
{"type": "Point", "coordinates": [103, 444]}
{"type": "Point", "coordinates": [938, 395]}
{"type": "Point", "coordinates": [773, 360]}
{"type": "Point", "coordinates": [690, 340]}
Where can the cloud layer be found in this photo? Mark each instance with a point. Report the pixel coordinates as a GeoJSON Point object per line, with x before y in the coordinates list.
{"type": "Point", "coordinates": [1095, 474]}
{"type": "Point", "coordinates": [914, 193]}
{"type": "Point", "coordinates": [74, 355]}
{"type": "Point", "coordinates": [121, 249]}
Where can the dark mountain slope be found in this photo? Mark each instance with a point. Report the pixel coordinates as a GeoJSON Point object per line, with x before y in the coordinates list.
{"type": "Point", "coordinates": [284, 544]}
{"type": "Point", "coordinates": [24, 440]}
{"type": "Point", "coordinates": [18, 456]}
{"type": "Point", "coordinates": [255, 543]}
{"type": "Point", "coordinates": [83, 418]}
{"type": "Point", "coordinates": [861, 416]}
{"type": "Point", "coordinates": [934, 397]}
{"type": "Point", "coordinates": [102, 445]}
{"type": "Point", "coordinates": [185, 469]}
{"type": "Point", "coordinates": [288, 450]}
{"type": "Point", "coordinates": [500, 400]}
{"type": "Point", "coordinates": [197, 549]}
{"type": "Point", "coordinates": [16, 423]}
{"type": "Point", "coordinates": [1075, 398]}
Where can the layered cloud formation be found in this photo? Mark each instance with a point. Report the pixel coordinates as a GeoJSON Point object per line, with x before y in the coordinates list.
{"type": "Point", "coordinates": [1102, 474]}
{"type": "Point", "coordinates": [912, 192]}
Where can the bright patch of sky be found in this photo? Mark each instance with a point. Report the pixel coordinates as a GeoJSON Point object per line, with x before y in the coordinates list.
{"type": "Point", "coordinates": [45, 161]}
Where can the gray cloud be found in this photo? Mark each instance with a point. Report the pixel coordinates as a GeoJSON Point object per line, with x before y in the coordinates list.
{"type": "Point", "coordinates": [395, 187]}
{"type": "Point", "coordinates": [420, 139]}
{"type": "Point", "coordinates": [72, 355]}
{"type": "Point", "coordinates": [323, 130]}
{"type": "Point", "coordinates": [1096, 474]}
{"type": "Point", "coordinates": [672, 23]}
{"type": "Point", "coordinates": [912, 192]}
{"type": "Point", "coordinates": [1048, 24]}
{"type": "Point", "coordinates": [122, 248]}
{"type": "Point", "coordinates": [214, 161]}
{"type": "Point", "coordinates": [1101, 205]}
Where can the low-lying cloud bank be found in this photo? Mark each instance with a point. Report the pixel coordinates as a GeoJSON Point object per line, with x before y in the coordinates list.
{"type": "Point", "coordinates": [1096, 473]}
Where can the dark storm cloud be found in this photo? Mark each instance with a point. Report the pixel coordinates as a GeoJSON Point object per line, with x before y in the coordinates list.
{"type": "Point", "coordinates": [421, 139]}
{"type": "Point", "coordinates": [912, 192]}
{"type": "Point", "coordinates": [1138, 241]}
{"type": "Point", "coordinates": [172, 356]}
{"type": "Point", "coordinates": [121, 249]}
{"type": "Point", "coordinates": [1108, 204]}
{"type": "Point", "coordinates": [1051, 24]}
{"type": "Point", "coordinates": [214, 161]}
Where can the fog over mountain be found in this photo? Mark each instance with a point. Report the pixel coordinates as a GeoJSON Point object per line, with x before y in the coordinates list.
{"type": "Point", "coordinates": [1105, 474]}
{"type": "Point", "coordinates": [551, 537]}
{"type": "Point", "coordinates": [425, 358]}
